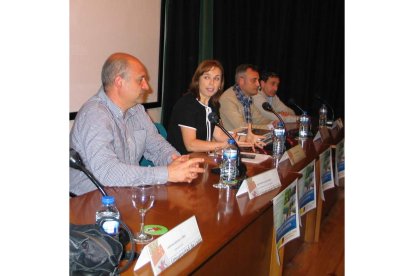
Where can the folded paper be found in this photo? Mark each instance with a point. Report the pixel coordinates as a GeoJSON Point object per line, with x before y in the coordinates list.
{"type": "Point", "coordinates": [260, 184]}
{"type": "Point", "coordinates": [170, 247]}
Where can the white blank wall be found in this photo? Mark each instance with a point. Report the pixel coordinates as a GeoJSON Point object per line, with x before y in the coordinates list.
{"type": "Point", "coordinates": [99, 28]}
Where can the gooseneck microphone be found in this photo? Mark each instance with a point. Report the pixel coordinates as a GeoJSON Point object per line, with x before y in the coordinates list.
{"type": "Point", "coordinates": [304, 121]}
{"type": "Point", "coordinates": [214, 118]}
{"type": "Point", "coordinates": [292, 102]}
{"type": "Point", "coordinates": [266, 106]}
{"type": "Point", "coordinates": [75, 161]}
{"type": "Point", "coordinates": [317, 97]}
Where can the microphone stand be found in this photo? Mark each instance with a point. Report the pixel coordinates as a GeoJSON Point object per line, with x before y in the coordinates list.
{"type": "Point", "coordinates": [292, 102]}
{"type": "Point", "coordinates": [266, 106]}
{"type": "Point", "coordinates": [75, 162]}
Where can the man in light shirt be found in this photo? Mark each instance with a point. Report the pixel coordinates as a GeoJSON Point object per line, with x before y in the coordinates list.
{"type": "Point", "coordinates": [112, 132]}
{"type": "Point", "coordinates": [236, 103]}
{"type": "Point", "coordinates": [269, 83]}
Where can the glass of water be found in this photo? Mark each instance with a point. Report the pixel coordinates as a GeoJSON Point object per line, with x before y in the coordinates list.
{"type": "Point", "coordinates": [143, 199]}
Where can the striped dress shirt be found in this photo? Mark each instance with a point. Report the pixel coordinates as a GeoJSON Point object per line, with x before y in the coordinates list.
{"type": "Point", "coordinates": [112, 143]}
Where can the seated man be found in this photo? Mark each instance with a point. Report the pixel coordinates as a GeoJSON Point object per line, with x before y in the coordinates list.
{"type": "Point", "coordinates": [269, 83]}
{"type": "Point", "coordinates": [112, 132]}
{"type": "Point", "coordinates": [236, 108]}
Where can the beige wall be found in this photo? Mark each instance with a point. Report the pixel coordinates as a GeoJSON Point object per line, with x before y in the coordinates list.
{"type": "Point", "coordinates": [101, 27]}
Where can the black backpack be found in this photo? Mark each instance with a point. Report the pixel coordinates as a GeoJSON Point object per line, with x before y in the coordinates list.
{"type": "Point", "coordinates": [93, 252]}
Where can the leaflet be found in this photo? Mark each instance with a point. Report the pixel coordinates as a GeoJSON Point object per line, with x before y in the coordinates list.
{"type": "Point", "coordinates": [286, 216]}
{"type": "Point", "coordinates": [340, 160]}
{"type": "Point", "coordinates": [326, 169]}
{"type": "Point", "coordinates": [307, 189]}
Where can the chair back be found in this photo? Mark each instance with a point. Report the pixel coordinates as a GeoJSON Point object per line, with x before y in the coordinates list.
{"type": "Point", "coordinates": [161, 130]}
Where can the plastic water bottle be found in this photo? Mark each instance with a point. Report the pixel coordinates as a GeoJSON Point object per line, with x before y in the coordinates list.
{"type": "Point", "coordinates": [279, 137]}
{"type": "Point", "coordinates": [323, 113]}
{"type": "Point", "coordinates": [304, 125]}
{"type": "Point", "coordinates": [228, 169]}
{"type": "Point", "coordinates": [108, 210]}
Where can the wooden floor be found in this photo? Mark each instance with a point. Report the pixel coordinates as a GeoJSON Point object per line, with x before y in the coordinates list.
{"type": "Point", "coordinates": [327, 257]}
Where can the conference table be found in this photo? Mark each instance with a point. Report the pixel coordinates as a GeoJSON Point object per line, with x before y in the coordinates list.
{"type": "Point", "coordinates": [237, 233]}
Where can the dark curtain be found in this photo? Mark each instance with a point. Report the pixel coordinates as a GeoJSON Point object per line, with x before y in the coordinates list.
{"type": "Point", "coordinates": [181, 50]}
{"type": "Point", "coordinates": [302, 40]}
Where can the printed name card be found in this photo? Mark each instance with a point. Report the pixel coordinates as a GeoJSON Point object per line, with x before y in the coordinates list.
{"type": "Point", "coordinates": [323, 134]}
{"type": "Point", "coordinates": [317, 136]}
{"type": "Point", "coordinates": [296, 154]}
{"type": "Point", "coordinates": [171, 246]}
{"type": "Point", "coordinates": [284, 157]}
{"type": "Point", "coordinates": [338, 123]}
{"type": "Point", "coordinates": [260, 184]}
{"type": "Point", "coordinates": [324, 131]}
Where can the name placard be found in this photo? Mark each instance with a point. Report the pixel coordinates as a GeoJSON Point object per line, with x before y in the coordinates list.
{"type": "Point", "coordinates": [170, 247]}
{"type": "Point", "coordinates": [284, 157]}
{"type": "Point", "coordinates": [317, 136]}
{"type": "Point", "coordinates": [339, 123]}
{"type": "Point", "coordinates": [260, 184]}
{"type": "Point", "coordinates": [324, 131]}
{"type": "Point", "coordinates": [296, 154]}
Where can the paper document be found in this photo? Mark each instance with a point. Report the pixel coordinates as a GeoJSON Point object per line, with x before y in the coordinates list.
{"type": "Point", "coordinates": [254, 158]}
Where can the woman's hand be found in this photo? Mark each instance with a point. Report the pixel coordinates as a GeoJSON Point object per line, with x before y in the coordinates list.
{"type": "Point", "coordinates": [253, 139]}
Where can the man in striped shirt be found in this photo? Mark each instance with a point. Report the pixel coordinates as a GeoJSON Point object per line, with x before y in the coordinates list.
{"type": "Point", "coordinates": [112, 132]}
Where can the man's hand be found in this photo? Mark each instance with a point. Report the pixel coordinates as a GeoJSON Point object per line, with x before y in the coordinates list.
{"type": "Point", "coordinates": [184, 169]}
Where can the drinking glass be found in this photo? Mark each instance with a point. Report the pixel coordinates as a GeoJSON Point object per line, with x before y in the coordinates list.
{"type": "Point", "coordinates": [221, 185]}
{"type": "Point", "coordinates": [143, 199]}
{"type": "Point", "coordinates": [218, 155]}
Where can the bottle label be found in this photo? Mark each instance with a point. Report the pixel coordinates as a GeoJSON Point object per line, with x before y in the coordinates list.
{"type": "Point", "coordinates": [111, 227]}
{"type": "Point", "coordinates": [279, 132]}
{"type": "Point", "coordinates": [230, 154]}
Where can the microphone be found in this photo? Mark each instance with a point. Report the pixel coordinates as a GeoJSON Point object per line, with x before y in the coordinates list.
{"type": "Point", "coordinates": [317, 97]}
{"type": "Point", "coordinates": [266, 106]}
{"type": "Point", "coordinates": [75, 161]}
{"type": "Point", "coordinates": [292, 102]}
{"type": "Point", "coordinates": [305, 132]}
{"type": "Point", "coordinates": [214, 118]}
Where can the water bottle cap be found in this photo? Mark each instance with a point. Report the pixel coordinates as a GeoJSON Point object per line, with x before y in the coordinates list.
{"type": "Point", "coordinates": [304, 113]}
{"type": "Point", "coordinates": [108, 200]}
{"type": "Point", "coordinates": [280, 124]}
{"type": "Point", "coordinates": [231, 141]}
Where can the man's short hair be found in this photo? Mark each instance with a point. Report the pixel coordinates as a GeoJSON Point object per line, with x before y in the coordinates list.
{"type": "Point", "coordinates": [242, 68]}
{"type": "Point", "coordinates": [265, 75]}
{"type": "Point", "coordinates": [116, 64]}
